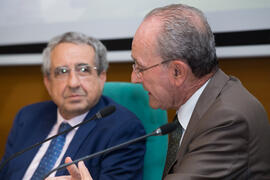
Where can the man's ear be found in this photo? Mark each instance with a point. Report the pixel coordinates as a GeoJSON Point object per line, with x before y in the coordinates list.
{"type": "Point", "coordinates": [178, 71]}
{"type": "Point", "coordinates": [103, 76]}
{"type": "Point", "coordinates": [102, 79]}
{"type": "Point", "coordinates": [47, 83]}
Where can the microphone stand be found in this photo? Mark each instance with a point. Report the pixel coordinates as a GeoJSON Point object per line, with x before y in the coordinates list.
{"type": "Point", "coordinates": [165, 129]}
{"type": "Point", "coordinates": [100, 114]}
{"type": "Point", "coordinates": [101, 152]}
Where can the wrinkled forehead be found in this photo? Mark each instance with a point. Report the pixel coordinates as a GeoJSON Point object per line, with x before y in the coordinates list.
{"type": "Point", "coordinates": [149, 28]}
{"type": "Point", "coordinates": [144, 43]}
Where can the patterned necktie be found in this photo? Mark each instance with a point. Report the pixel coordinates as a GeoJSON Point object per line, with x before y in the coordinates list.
{"type": "Point", "coordinates": [54, 150]}
{"type": "Point", "coordinates": [174, 140]}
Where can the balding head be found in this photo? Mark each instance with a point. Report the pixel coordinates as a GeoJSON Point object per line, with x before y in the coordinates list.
{"type": "Point", "coordinates": [184, 34]}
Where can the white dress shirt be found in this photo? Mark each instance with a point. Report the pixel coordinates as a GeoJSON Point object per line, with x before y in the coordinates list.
{"type": "Point", "coordinates": [185, 111]}
{"type": "Point", "coordinates": [35, 162]}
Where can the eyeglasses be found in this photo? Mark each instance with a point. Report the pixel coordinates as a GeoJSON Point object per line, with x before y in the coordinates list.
{"type": "Point", "coordinates": [138, 71]}
{"type": "Point", "coordinates": [81, 70]}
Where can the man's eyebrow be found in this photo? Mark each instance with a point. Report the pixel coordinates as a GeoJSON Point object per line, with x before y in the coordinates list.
{"type": "Point", "coordinates": [82, 64]}
{"type": "Point", "coordinates": [133, 58]}
{"type": "Point", "coordinates": [135, 61]}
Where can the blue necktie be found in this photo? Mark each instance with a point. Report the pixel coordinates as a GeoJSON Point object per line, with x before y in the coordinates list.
{"type": "Point", "coordinates": [54, 150]}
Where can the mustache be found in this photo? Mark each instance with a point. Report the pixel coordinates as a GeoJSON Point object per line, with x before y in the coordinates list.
{"type": "Point", "coordinates": [74, 92]}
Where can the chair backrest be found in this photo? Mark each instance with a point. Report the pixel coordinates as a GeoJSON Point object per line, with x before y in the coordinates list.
{"type": "Point", "coordinates": [135, 98]}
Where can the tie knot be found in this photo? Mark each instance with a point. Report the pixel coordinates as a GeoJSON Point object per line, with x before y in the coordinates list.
{"type": "Point", "coordinates": [52, 154]}
{"type": "Point", "coordinates": [63, 126]}
{"type": "Point", "coordinates": [175, 118]}
{"type": "Point", "coordinates": [178, 124]}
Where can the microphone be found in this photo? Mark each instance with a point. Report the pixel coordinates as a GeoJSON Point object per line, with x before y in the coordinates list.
{"type": "Point", "coordinates": [163, 130]}
{"type": "Point", "coordinates": [100, 114]}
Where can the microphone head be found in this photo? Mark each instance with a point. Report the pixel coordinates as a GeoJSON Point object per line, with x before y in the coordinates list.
{"type": "Point", "coordinates": [166, 128]}
{"type": "Point", "coordinates": [105, 111]}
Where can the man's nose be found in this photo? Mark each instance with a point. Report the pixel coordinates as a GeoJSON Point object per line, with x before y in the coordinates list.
{"type": "Point", "coordinates": [73, 79]}
{"type": "Point", "coordinates": [134, 78]}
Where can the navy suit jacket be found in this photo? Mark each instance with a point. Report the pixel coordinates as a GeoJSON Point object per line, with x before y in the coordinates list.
{"type": "Point", "coordinates": [34, 122]}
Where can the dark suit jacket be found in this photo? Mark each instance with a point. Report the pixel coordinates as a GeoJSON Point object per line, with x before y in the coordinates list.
{"type": "Point", "coordinates": [227, 136]}
{"type": "Point", "coordinates": [34, 122]}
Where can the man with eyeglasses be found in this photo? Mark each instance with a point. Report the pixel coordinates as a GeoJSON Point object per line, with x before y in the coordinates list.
{"type": "Point", "coordinates": [223, 130]}
{"type": "Point", "coordinates": [74, 68]}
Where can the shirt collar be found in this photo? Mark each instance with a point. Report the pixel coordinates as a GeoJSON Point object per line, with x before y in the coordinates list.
{"type": "Point", "coordinates": [74, 121]}
{"type": "Point", "coordinates": [185, 111]}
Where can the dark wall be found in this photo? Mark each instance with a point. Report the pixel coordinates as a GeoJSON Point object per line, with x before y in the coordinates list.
{"type": "Point", "coordinates": [22, 85]}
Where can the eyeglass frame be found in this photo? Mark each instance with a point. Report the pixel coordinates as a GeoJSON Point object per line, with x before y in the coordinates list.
{"type": "Point", "coordinates": [138, 71]}
{"type": "Point", "coordinates": [77, 69]}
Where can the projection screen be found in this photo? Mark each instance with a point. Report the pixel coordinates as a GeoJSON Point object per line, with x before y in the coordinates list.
{"type": "Point", "coordinates": [241, 27]}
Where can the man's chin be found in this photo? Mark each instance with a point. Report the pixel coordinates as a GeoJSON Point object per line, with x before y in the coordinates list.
{"type": "Point", "coordinates": [154, 105]}
{"type": "Point", "coordinates": [76, 110]}
{"type": "Point", "coordinates": [74, 101]}
{"type": "Point", "coordinates": [157, 105]}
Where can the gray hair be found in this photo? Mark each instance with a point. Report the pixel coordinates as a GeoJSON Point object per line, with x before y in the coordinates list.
{"type": "Point", "coordinates": [76, 38]}
{"type": "Point", "coordinates": [186, 35]}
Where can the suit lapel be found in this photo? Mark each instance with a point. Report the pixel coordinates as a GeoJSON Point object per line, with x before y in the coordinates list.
{"type": "Point", "coordinates": [81, 134]}
{"type": "Point", "coordinates": [206, 99]}
{"type": "Point", "coordinates": [39, 132]}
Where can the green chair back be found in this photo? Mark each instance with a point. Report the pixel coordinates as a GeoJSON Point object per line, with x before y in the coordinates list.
{"type": "Point", "coordinates": [135, 98]}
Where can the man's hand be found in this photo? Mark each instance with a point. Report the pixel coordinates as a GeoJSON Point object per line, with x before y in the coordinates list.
{"type": "Point", "coordinates": [76, 173]}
